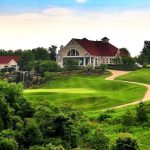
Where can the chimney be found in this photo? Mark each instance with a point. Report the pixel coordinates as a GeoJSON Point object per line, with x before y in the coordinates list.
{"type": "Point", "coordinates": [105, 40]}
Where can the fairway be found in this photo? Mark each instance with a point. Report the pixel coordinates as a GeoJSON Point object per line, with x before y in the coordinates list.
{"type": "Point", "coordinates": [141, 76]}
{"type": "Point", "coordinates": [88, 93]}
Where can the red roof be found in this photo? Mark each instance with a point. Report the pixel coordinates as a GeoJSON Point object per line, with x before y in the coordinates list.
{"type": "Point", "coordinates": [7, 59]}
{"type": "Point", "coordinates": [98, 48]}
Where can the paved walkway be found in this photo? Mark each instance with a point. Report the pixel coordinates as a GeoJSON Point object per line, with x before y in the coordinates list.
{"type": "Point", "coordinates": [117, 73]}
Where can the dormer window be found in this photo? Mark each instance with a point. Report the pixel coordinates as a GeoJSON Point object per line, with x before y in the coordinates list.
{"type": "Point", "coordinates": [73, 52]}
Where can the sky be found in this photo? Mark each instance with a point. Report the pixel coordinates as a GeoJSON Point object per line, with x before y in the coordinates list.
{"type": "Point", "coordinates": [27, 24]}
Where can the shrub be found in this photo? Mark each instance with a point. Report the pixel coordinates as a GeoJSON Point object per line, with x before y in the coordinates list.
{"type": "Point", "coordinates": [117, 60]}
{"type": "Point", "coordinates": [36, 147]}
{"type": "Point", "coordinates": [122, 67]}
{"type": "Point", "coordinates": [128, 119]}
{"type": "Point", "coordinates": [47, 147]}
{"type": "Point", "coordinates": [125, 142]}
{"type": "Point", "coordinates": [103, 67]}
{"type": "Point", "coordinates": [70, 64]}
{"type": "Point", "coordinates": [49, 76]}
{"type": "Point", "coordinates": [103, 117]}
{"type": "Point", "coordinates": [43, 66]}
{"type": "Point", "coordinates": [141, 112]}
{"type": "Point", "coordinates": [8, 144]}
{"type": "Point", "coordinates": [99, 141]}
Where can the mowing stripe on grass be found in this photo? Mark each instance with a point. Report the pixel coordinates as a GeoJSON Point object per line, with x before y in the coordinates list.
{"type": "Point", "coordinates": [69, 90]}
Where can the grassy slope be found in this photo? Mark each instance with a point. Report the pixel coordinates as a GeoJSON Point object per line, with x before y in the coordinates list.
{"type": "Point", "coordinates": [89, 93]}
{"type": "Point", "coordinates": [142, 76]}
{"type": "Point", "coordinates": [139, 132]}
{"type": "Point", "coordinates": [102, 94]}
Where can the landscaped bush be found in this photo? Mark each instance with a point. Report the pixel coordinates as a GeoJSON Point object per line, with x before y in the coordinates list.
{"type": "Point", "coordinates": [125, 142]}
{"type": "Point", "coordinates": [49, 76]}
{"type": "Point", "coordinates": [70, 64]}
{"type": "Point", "coordinates": [122, 67]}
{"type": "Point", "coordinates": [9, 69]}
{"type": "Point", "coordinates": [42, 66]}
{"type": "Point", "coordinates": [103, 67]}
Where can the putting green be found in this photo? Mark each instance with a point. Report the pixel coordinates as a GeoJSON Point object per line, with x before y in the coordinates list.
{"type": "Point", "coordinates": [69, 90]}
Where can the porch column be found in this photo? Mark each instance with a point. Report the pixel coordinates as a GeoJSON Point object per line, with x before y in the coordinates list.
{"type": "Point", "coordinates": [90, 61]}
{"type": "Point", "coordinates": [94, 62]}
{"type": "Point", "coordinates": [62, 65]}
{"type": "Point", "coordinates": [84, 62]}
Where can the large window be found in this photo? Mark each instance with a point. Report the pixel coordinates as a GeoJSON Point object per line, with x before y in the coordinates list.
{"type": "Point", "coordinates": [73, 52]}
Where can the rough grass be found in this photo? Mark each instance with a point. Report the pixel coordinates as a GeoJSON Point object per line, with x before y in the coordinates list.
{"type": "Point", "coordinates": [111, 128]}
{"type": "Point", "coordinates": [142, 76]}
{"type": "Point", "coordinates": [88, 93]}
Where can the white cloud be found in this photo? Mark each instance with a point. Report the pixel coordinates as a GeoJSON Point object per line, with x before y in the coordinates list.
{"type": "Point", "coordinates": [81, 1]}
{"type": "Point", "coordinates": [58, 25]}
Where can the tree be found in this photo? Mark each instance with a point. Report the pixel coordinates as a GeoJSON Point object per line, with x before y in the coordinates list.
{"type": "Point", "coordinates": [40, 53]}
{"type": "Point", "coordinates": [125, 142]}
{"type": "Point", "coordinates": [144, 57]}
{"type": "Point", "coordinates": [146, 51]}
{"type": "Point", "coordinates": [125, 52]}
{"type": "Point", "coordinates": [31, 134]}
{"type": "Point", "coordinates": [26, 57]}
{"type": "Point", "coordinates": [99, 141]}
{"type": "Point", "coordinates": [52, 51]}
{"type": "Point", "coordinates": [5, 114]}
{"type": "Point", "coordinates": [128, 61]}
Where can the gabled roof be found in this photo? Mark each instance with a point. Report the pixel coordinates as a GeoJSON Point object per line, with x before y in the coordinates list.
{"type": "Point", "coordinates": [7, 59]}
{"type": "Point", "coordinates": [98, 48]}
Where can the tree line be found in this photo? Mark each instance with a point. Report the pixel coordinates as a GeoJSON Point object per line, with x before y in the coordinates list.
{"type": "Point", "coordinates": [32, 55]}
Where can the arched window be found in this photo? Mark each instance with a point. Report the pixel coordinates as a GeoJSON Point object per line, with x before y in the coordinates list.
{"type": "Point", "coordinates": [73, 52]}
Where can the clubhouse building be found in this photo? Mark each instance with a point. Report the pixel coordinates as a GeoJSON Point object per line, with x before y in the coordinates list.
{"type": "Point", "coordinates": [87, 52]}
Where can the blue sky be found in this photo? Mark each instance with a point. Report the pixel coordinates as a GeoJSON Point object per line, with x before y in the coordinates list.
{"type": "Point", "coordinates": [9, 6]}
{"type": "Point", "coordinates": [26, 24]}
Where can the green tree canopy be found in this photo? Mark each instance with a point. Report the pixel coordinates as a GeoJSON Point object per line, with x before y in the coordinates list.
{"type": "Point", "coordinates": [52, 51]}
{"type": "Point", "coordinates": [144, 57]}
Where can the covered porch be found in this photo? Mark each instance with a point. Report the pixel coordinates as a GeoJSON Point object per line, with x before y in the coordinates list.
{"type": "Point", "coordinates": [83, 61]}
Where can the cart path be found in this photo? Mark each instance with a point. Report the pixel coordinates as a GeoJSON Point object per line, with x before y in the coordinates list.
{"type": "Point", "coordinates": [117, 73]}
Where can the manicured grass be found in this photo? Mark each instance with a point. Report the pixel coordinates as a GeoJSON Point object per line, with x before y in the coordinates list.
{"type": "Point", "coordinates": [142, 76]}
{"type": "Point", "coordinates": [88, 93]}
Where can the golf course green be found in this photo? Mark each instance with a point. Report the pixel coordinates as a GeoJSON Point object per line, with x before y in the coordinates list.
{"type": "Point", "coordinates": [88, 93]}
